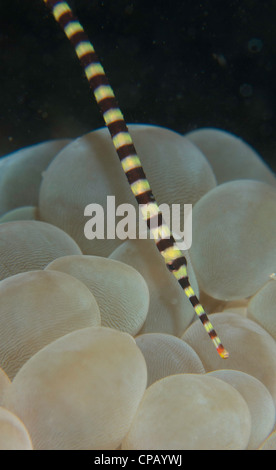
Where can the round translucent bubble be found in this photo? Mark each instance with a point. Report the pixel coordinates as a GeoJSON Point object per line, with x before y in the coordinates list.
{"type": "Point", "coordinates": [13, 433]}
{"type": "Point", "coordinates": [21, 213]}
{"type": "Point", "coordinates": [258, 399]}
{"type": "Point", "coordinates": [184, 177]}
{"type": "Point", "coordinates": [81, 391]}
{"type": "Point", "coordinates": [170, 310]}
{"type": "Point", "coordinates": [269, 443]}
{"type": "Point", "coordinates": [252, 350]}
{"type": "Point", "coordinates": [4, 384]}
{"type": "Point", "coordinates": [212, 305]}
{"type": "Point", "coordinates": [121, 292]}
{"type": "Point", "coordinates": [233, 250]}
{"type": "Point", "coordinates": [38, 307]}
{"type": "Point", "coordinates": [230, 157]}
{"type": "Point", "coordinates": [190, 412]}
{"type": "Point", "coordinates": [21, 174]}
{"type": "Point", "coordinates": [237, 306]}
{"type": "Point", "coordinates": [31, 245]}
{"type": "Point", "coordinates": [167, 355]}
{"type": "Point", "coordinates": [261, 308]}
{"type": "Point", "coordinates": [89, 170]}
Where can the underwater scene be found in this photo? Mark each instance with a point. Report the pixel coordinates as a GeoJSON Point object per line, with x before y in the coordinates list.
{"type": "Point", "coordinates": [137, 227]}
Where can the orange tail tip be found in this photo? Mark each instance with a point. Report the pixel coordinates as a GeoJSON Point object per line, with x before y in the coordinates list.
{"type": "Point", "coordinates": [224, 354]}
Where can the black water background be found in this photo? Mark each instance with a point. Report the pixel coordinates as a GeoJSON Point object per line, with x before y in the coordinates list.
{"type": "Point", "coordinates": [182, 65]}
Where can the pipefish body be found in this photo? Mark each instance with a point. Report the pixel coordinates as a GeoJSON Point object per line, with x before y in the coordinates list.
{"type": "Point", "coordinates": [130, 161]}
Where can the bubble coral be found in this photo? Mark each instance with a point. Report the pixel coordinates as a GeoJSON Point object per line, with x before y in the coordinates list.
{"type": "Point", "coordinates": [169, 310]}
{"type": "Point", "coordinates": [259, 402]}
{"type": "Point", "coordinates": [4, 384]}
{"type": "Point", "coordinates": [13, 433]}
{"type": "Point", "coordinates": [21, 213]}
{"type": "Point", "coordinates": [80, 392]}
{"type": "Point", "coordinates": [185, 176]}
{"type": "Point", "coordinates": [21, 174]}
{"type": "Point", "coordinates": [212, 305]}
{"type": "Point", "coordinates": [120, 291]}
{"type": "Point", "coordinates": [269, 443]}
{"type": "Point", "coordinates": [237, 306]}
{"type": "Point", "coordinates": [252, 349]}
{"type": "Point", "coordinates": [239, 218]}
{"type": "Point", "coordinates": [30, 245]}
{"type": "Point", "coordinates": [88, 170]}
{"type": "Point", "coordinates": [230, 157]}
{"type": "Point", "coordinates": [167, 355]}
{"type": "Point", "coordinates": [38, 307]}
{"type": "Point", "coordinates": [261, 307]}
{"type": "Point", "coordinates": [176, 412]}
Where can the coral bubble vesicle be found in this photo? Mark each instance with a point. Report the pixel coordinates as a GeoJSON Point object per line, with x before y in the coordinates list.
{"type": "Point", "coordinates": [235, 254]}
{"type": "Point", "coordinates": [253, 350]}
{"type": "Point", "coordinates": [38, 307]}
{"type": "Point", "coordinates": [81, 391]}
{"type": "Point", "coordinates": [28, 245]}
{"type": "Point", "coordinates": [21, 174]}
{"type": "Point", "coordinates": [126, 306]}
{"type": "Point", "coordinates": [261, 307]}
{"type": "Point", "coordinates": [169, 310]}
{"type": "Point", "coordinates": [230, 157]}
{"type": "Point", "coordinates": [167, 355]}
{"type": "Point", "coordinates": [177, 411]}
{"type": "Point", "coordinates": [13, 433]}
{"type": "Point", "coordinates": [258, 399]}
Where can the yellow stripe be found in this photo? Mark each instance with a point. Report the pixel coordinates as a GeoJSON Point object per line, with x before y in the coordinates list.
{"type": "Point", "coordinates": [171, 253]}
{"type": "Point", "coordinates": [199, 309]}
{"type": "Point", "coordinates": [208, 326]}
{"type": "Point", "coordinates": [189, 291]}
{"type": "Point", "coordinates": [182, 272]}
{"type": "Point", "coordinates": [92, 70]}
{"type": "Point", "coordinates": [149, 210]}
{"type": "Point", "coordinates": [84, 48]}
{"type": "Point", "coordinates": [102, 92]}
{"type": "Point", "coordinates": [113, 115]}
{"type": "Point", "coordinates": [121, 139]}
{"type": "Point", "coordinates": [128, 163]}
{"type": "Point", "coordinates": [217, 342]}
{"type": "Point", "coordinates": [140, 187]}
{"type": "Point", "coordinates": [73, 28]}
{"type": "Point", "coordinates": [60, 9]}
{"type": "Point", "coordinates": [160, 233]}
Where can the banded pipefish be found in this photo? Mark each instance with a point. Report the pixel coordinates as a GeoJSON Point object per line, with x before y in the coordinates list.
{"type": "Point", "coordinates": [131, 164]}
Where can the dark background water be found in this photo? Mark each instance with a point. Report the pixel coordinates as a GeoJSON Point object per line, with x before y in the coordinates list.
{"type": "Point", "coordinates": [183, 64]}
